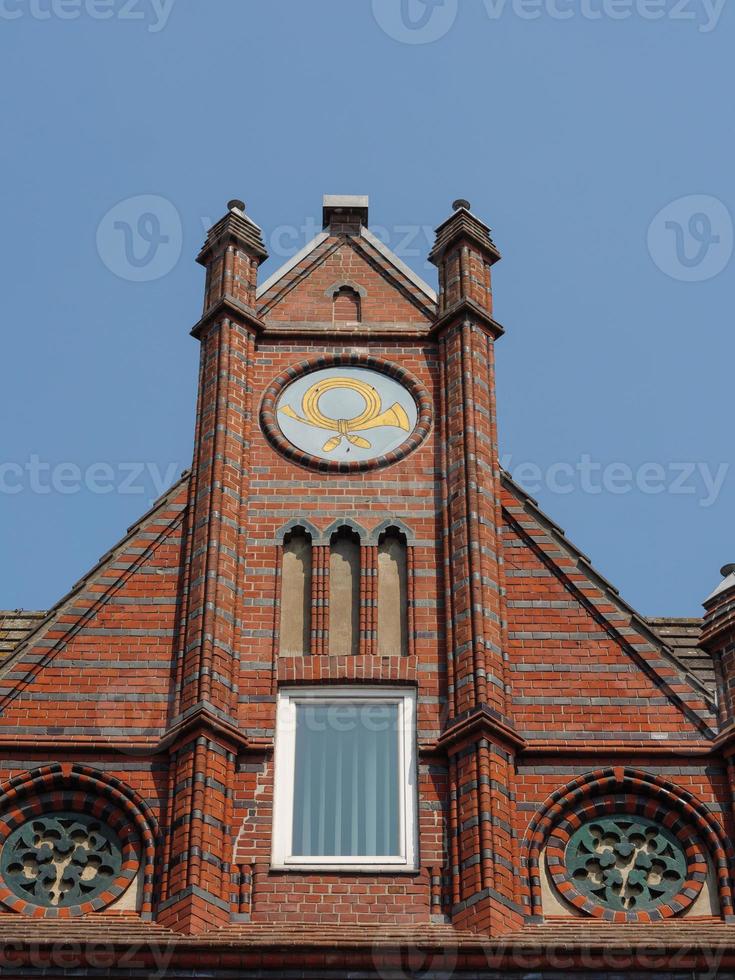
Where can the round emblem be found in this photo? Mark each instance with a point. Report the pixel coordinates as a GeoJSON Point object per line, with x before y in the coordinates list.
{"type": "Point", "coordinates": [640, 865]}
{"type": "Point", "coordinates": [346, 414]}
{"type": "Point", "coordinates": [626, 863]}
{"type": "Point", "coordinates": [61, 860]}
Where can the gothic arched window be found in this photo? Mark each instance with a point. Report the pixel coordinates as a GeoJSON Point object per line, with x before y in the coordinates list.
{"type": "Point", "coordinates": [295, 630]}
{"type": "Point", "coordinates": [344, 593]}
{"type": "Point", "coordinates": [392, 594]}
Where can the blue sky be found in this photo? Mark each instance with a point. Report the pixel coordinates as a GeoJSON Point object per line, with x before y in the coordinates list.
{"type": "Point", "coordinates": [594, 136]}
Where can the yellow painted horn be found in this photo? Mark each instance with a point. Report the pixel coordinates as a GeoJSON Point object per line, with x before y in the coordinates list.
{"type": "Point", "coordinates": [395, 415]}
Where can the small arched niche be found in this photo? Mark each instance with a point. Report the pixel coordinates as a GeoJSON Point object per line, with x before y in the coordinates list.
{"type": "Point", "coordinates": [346, 305]}
{"type": "Point", "coordinates": [295, 629]}
{"type": "Point", "coordinates": [344, 593]}
{"type": "Point", "coordinates": [392, 594]}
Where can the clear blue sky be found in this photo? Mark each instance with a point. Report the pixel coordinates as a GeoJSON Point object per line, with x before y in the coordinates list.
{"type": "Point", "coordinates": [569, 134]}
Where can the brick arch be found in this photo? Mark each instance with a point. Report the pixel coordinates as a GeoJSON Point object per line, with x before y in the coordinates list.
{"type": "Point", "coordinates": [79, 787]}
{"type": "Point", "coordinates": [635, 789]}
{"type": "Point", "coordinates": [332, 290]}
{"type": "Point", "coordinates": [299, 524]}
{"type": "Point", "coordinates": [341, 522]}
{"type": "Point", "coordinates": [395, 524]}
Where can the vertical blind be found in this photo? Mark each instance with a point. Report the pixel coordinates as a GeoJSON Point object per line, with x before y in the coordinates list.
{"type": "Point", "coordinates": [346, 789]}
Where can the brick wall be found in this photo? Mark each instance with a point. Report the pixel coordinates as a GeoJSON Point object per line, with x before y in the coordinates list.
{"type": "Point", "coordinates": [163, 665]}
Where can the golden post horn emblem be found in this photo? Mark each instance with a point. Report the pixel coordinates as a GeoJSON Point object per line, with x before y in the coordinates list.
{"type": "Point", "coordinates": [371, 416]}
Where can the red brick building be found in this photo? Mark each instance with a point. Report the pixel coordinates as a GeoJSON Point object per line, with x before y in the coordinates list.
{"type": "Point", "coordinates": [345, 702]}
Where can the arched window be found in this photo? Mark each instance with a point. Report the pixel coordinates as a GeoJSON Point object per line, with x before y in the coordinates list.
{"type": "Point", "coordinates": [346, 305]}
{"type": "Point", "coordinates": [295, 630]}
{"type": "Point", "coordinates": [344, 593]}
{"type": "Point", "coordinates": [392, 594]}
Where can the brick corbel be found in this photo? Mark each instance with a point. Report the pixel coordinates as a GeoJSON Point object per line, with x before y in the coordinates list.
{"type": "Point", "coordinates": [467, 309]}
{"type": "Point", "coordinates": [228, 306]}
{"type": "Point", "coordinates": [474, 725]}
{"type": "Point", "coordinates": [203, 721]}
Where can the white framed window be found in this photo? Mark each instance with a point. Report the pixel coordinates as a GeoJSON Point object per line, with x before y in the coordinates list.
{"type": "Point", "coordinates": [345, 779]}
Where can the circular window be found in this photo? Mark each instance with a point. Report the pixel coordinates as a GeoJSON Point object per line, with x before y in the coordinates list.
{"type": "Point", "coordinates": [61, 860]}
{"type": "Point", "coordinates": [626, 863]}
{"type": "Point", "coordinates": [351, 415]}
{"type": "Point", "coordinates": [626, 866]}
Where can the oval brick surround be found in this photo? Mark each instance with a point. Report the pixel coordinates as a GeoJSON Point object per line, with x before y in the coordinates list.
{"type": "Point", "coordinates": [272, 430]}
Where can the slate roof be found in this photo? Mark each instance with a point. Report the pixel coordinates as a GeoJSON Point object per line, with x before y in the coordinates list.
{"type": "Point", "coordinates": [682, 635]}
{"type": "Point", "coordinates": [15, 626]}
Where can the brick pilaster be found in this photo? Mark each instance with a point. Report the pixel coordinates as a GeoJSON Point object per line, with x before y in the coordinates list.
{"type": "Point", "coordinates": [197, 891]}
{"type": "Point", "coordinates": [478, 733]}
{"type": "Point", "coordinates": [368, 600]}
{"type": "Point", "coordinates": [319, 600]}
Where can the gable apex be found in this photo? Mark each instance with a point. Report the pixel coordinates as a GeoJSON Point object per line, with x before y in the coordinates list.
{"type": "Point", "coordinates": [365, 235]}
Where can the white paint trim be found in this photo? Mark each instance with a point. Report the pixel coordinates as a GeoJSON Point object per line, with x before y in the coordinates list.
{"type": "Point", "coordinates": [283, 781]}
{"type": "Point", "coordinates": [400, 265]}
{"type": "Point", "coordinates": [290, 264]}
{"type": "Point", "coordinates": [369, 237]}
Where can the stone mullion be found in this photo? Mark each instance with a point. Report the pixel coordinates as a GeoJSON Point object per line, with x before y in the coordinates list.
{"type": "Point", "coordinates": [324, 601]}
{"type": "Point", "coordinates": [319, 593]}
{"type": "Point", "coordinates": [368, 600]}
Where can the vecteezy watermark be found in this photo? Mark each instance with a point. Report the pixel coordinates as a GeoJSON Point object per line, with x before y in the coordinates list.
{"type": "Point", "coordinates": [407, 241]}
{"type": "Point", "coordinates": [417, 958]}
{"type": "Point", "coordinates": [140, 238]}
{"type": "Point", "coordinates": [149, 958]}
{"type": "Point", "coordinates": [701, 480]}
{"type": "Point", "coordinates": [153, 13]}
{"type": "Point", "coordinates": [691, 239]}
{"type": "Point", "coordinates": [38, 476]}
{"type": "Point", "coordinates": [415, 21]}
{"type": "Point", "coordinates": [424, 21]}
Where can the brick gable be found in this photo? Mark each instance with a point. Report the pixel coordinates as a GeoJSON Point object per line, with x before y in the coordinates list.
{"type": "Point", "coordinates": [100, 666]}
{"type": "Point", "coordinates": [539, 693]}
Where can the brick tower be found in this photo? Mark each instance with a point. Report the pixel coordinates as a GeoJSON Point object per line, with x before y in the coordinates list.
{"type": "Point", "coordinates": [345, 700]}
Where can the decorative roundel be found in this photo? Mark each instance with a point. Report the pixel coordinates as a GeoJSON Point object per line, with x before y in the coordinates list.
{"type": "Point", "coordinates": [619, 866]}
{"type": "Point", "coordinates": [626, 862]}
{"type": "Point", "coordinates": [61, 860]}
{"type": "Point", "coordinates": [58, 861]}
{"type": "Point", "coordinates": [353, 414]}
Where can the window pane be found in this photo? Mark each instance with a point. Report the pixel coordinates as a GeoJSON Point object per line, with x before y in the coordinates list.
{"type": "Point", "coordinates": [346, 793]}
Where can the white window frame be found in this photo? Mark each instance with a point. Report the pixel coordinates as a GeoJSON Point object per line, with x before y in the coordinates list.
{"type": "Point", "coordinates": [283, 781]}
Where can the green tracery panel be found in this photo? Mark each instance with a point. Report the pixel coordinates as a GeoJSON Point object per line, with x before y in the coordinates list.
{"type": "Point", "coordinates": [61, 860]}
{"type": "Point", "coordinates": [626, 863]}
